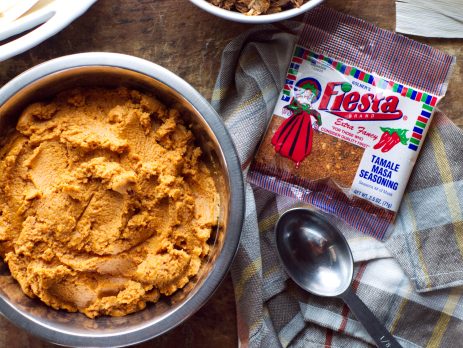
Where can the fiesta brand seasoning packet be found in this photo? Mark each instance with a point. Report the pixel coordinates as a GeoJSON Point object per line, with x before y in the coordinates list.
{"type": "Point", "coordinates": [351, 119]}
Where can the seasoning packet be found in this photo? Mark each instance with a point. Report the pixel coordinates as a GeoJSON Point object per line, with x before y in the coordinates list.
{"type": "Point", "coordinates": [351, 119]}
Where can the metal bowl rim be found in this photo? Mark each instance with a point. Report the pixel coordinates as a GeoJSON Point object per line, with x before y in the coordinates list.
{"type": "Point", "coordinates": [235, 218]}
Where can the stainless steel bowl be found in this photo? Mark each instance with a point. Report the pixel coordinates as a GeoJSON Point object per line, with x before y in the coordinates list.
{"type": "Point", "coordinates": [110, 69]}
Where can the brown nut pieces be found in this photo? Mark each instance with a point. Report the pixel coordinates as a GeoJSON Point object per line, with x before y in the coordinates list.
{"type": "Point", "coordinates": [258, 7]}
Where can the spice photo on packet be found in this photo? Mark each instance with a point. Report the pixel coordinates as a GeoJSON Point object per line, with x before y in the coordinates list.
{"type": "Point", "coordinates": [351, 119]}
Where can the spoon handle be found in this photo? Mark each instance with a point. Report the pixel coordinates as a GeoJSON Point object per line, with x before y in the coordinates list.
{"type": "Point", "coordinates": [377, 331]}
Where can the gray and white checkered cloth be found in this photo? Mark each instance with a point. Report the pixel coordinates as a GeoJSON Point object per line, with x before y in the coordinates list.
{"type": "Point", "coordinates": [412, 282]}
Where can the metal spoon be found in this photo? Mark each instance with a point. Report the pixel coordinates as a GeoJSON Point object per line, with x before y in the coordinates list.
{"type": "Point", "coordinates": [317, 257]}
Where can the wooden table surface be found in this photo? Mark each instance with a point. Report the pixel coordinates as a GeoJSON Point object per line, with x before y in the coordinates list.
{"type": "Point", "coordinates": [189, 42]}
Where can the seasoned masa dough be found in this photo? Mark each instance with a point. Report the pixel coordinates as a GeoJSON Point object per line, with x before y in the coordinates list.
{"type": "Point", "coordinates": [105, 202]}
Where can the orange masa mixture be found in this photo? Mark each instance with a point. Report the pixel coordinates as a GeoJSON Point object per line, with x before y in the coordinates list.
{"type": "Point", "coordinates": [105, 203]}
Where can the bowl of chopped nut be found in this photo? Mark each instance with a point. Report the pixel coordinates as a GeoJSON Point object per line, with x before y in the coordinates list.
{"type": "Point", "coordinates": [256, 11]}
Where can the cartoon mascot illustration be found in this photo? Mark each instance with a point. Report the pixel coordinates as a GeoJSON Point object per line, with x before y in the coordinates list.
{"type": "Point", "coordinates": [293, 139]}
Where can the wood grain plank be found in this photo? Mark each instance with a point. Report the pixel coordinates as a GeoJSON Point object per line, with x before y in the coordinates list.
{"type": "Point", "coordinates": [189, 42]}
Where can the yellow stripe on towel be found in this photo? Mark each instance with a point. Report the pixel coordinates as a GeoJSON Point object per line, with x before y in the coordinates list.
{"type": "Point", "coordinates": [450, 190]}
{"type": "Point", "coordinates": [446, 315]}
{"type": "Point", "coordinates": [268, 222]}
{"type": "Point", "coordinates": [400, 310]}
{"type": "Point", "coordinates": [249, 272]}
{"type": "Point", "coordinates": [416, 234]}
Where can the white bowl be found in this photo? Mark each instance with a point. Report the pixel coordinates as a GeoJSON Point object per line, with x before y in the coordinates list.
{"type": "Point", "coordinates": [46, 18]}
{"type": "Point", "coordinates": [240, 17]}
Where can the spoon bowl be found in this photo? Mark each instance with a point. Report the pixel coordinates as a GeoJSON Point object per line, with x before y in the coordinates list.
{"type": "Point", "coordinates": [317, 257]}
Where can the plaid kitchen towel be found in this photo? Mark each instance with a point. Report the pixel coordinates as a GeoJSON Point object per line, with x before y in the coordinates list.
{"type": "Point", "coordinates": [394, 278]}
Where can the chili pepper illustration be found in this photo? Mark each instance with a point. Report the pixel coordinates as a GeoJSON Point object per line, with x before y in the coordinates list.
{"type": "Point", "coordinates": [393, 140]}
{"type": "Point", "coordinates": [390, 138]}
{"type": "Point", "coordinates": [293, 139]}
{"type": "Point", "coordinates": [382, 141]}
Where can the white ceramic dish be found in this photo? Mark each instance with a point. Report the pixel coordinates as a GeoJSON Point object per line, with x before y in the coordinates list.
{"type": "Point", "coordinates": [240, 17]}
{"type": "Point", "coordinates": [10, 10]}
{"type": "Point", "coordinates": [48, 17]}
